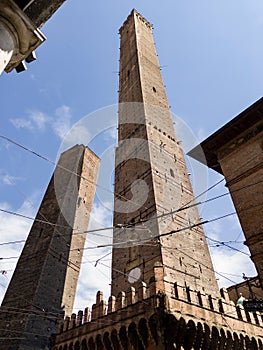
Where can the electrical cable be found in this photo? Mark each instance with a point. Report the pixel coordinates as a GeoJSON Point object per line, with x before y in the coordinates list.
{"type": "Point", "coordinates": [63, 168]}
{"type": "Point", "coordinates": [130, 225]}
{"type": "Point", "coordinates": [53, 163]}
{"type": "Point", "coordinates": [167, 213]}
{"type": "Point", "coordinates": [157, 236]}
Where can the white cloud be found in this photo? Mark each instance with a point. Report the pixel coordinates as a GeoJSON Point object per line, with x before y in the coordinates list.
{"type": "Point", "coordinates": [111, 134]}
{"type": "Point", "coordinates": [61, 123]}
{"type": "Point", "coordinates": [21, 123]}
{"type": "Point", "coordinates": [70, 135]}
{"type": "Point", "coordinates": [39, 119]}
{"type": "Point", "coordinates": [8, 179]}
{"type": "Point", "coordinates": [232, 265]}
{"type": "Point", "coordinates": [78, 134]}
{"type": "Point", "coordinates": [36, 120]}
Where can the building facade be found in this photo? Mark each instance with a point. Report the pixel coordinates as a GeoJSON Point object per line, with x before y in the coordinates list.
{"type": "Point", "coordinates": [236, 151]}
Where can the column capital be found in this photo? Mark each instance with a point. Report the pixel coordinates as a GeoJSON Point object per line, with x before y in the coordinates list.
{"type": "Point", "coordinates": [26, 36]}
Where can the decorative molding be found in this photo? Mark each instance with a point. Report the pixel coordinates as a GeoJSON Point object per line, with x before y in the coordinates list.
{"type": "Point", "coordinates": [26, 36]}
{"type": "Point", "coordinates": [241, 140]}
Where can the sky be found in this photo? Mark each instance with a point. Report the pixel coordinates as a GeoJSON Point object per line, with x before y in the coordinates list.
{"type": "Point", "coordinates": [210, 53]}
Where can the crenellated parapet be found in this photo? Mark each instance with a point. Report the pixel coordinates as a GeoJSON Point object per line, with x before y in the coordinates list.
{"type": "Point", "coordinates": [102, 309]}
{"type": "Point", "coordinates": [220, 311]}
{"type": "Point", "coordinates": [189, 300]}
{"type": "Point", "coordinates": [137, 314]}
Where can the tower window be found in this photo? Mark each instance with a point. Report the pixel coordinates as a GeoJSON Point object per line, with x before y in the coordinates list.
{"type": "Point", "coordinates": [154, 90]}
{"type": "Point", "coordinates": [172, 172]}
{"type": "Point", "coordinates": [128, 73]}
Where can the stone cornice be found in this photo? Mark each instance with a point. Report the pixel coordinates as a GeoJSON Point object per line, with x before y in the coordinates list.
{"type": "Point", "coordinates": [27, 37]}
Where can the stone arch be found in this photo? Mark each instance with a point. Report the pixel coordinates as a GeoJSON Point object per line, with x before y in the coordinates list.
{"type": "Point", "coordinates": [91, 344]}
{"type": "Point", "coordinates": [123, 337]}
{"type": "Point", "coordinates": [260, 344]}
{"type": "Point", "coordinates": [229, 341]}
{"type": "Point", "coordinates": [206, 338]}
{"type": "Point", "coordinates": [171, 330]}
{"type": "Point", "coordinates": [180, 333]}
{"type": "Point", "coordinates": [222, 340]}
{"type": "Point", "coordinates": [242, 341]}
{"type": "Point", "coordinates": [199, 336]}
{"type": "Point", "coordinates": [143, 331]}
{"type": "Point", "coordinates": [106, 341]}
{"type": "Point", "coordinates": [153, 324]}
{"type": "Point", "coordinates": [190, 335]}
{"type": "Point", "coordinates": [214, 338]}
{"type": "Point", "coordinates": [70, 346]}
{"type": "Point", "coordinates": [236, 345]}
{"type": "Point", "coordinates": [60, 348]}
{"type": "Point", "coordinates": [254, 345]}
{"type": "Point", "coordinates": [65, 347]}
{"type": "Point", "coordinates": [77, 345]}
{"type": "Point", "coordinates": [134, 337]}
{"type": "Point", "coordinates": [248, 343]}
{"type": "Point", "coordinates": [115, 340]}
{"type": "Point", "coordinates": [84, 345]}
{"type": "Point", "coordinates": [99, 344]}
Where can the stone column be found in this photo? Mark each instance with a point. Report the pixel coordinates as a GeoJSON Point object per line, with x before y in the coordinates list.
{"type": "Point", "coordinates": [18, 36]}
{"type": "Point", "coordinates": [7, 46]}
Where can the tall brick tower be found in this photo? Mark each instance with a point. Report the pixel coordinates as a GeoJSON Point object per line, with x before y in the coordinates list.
{"type": "Point", "coordinates": [164, 292]}
{"type": "Point", "coordinates": [44, 283]}
{"type": "Point", "coordinates": [151, 179]}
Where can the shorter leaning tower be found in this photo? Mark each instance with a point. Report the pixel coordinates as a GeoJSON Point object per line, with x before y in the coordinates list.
{"type": "Point", "coordinates": [44, 282]}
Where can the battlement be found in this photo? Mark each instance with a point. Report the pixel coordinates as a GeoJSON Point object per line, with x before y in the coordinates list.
{"type": "Point", "coordinates": [101, 308]}
{"type": "Point", "coordinates": [140, 17]}
{"type": "Point", "coordinates": [136, 315]}
{"type": "Point", "coordinates": [182, 301]}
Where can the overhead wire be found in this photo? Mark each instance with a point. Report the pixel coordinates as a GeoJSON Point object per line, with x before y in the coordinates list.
{"type": "Point", "coordinates": [129, 225]}
{"type": "Point", "coordinates": [46, 159]}
{"type": "Point", "coordinates": [96, 230]}
{"type": "Point", "coordinates": [59, 166]}
{"type": "Point", "coordinates": [70, 263]}
{"type": "Point", "coordinates": [68, 170]}
{"type": "Point", "coordinates": [227, 245]}
{"type": "Point", "coordinates": [63, 168]}
{"type": "Point", "coordinates": [108, 228]}
{"type": "Point", "coordinates": [183, 252]}
{"type": "Point", "coordinates": [153, 237]}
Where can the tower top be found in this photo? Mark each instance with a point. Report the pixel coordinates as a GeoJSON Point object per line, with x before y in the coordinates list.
{"type": "Point", "coordinates": [134, 13]}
